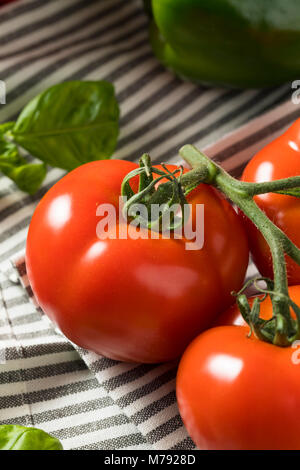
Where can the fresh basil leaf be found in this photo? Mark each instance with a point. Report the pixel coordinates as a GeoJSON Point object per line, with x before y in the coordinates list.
{"type": "Point", "coordinates": [14, 437]}
{"type": "Point", "coordinates": [70, 124]}
{"type": "Point", "coordinates": [27, 176]}
{"type": "Point", "coordinates": [9, 153]}
{"type": "Point", "coordinates": [6, 126]}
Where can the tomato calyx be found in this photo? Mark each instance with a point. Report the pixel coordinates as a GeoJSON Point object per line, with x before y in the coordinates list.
{"type": "Point", "coordinates": [166, 195]}
{"type": "Point", "coordinates": [282, 329]}
{"type": "Point", "coordinates": [149, 194]}
{"type": "Point", "coordinates": [279, 330]}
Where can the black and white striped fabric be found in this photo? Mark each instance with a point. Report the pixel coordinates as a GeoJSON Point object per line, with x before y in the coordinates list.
{"type": "Point", "coordinates": [87, 401]}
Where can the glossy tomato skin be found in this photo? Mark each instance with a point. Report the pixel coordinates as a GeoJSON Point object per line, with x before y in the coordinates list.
{"type": "Point", "coordinates": [239, 393]}
{"type": "Point", "coordinates": [133, 300]}
{"type": "Point", "coordinates": [279, 159]}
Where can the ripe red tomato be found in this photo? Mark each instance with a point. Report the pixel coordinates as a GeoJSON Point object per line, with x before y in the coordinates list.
{"type": "Point", "coordinates": [137, 300]}
{"type": "Point", "coordinates": [240, 393]}
{"type": "Point", "coordinates": [279, 159]}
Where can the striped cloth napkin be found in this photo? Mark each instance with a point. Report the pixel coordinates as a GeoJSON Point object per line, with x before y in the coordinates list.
{"type": "Point", "coordinates": [85, 400]}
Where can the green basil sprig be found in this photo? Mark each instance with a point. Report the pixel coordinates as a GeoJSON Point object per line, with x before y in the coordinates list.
{"type": "Point", "coordinates": [67, 125]}
{"type": "Point", "coordinates": [27, 176]}
{"type": "Point", "coordinates": [14, 437]}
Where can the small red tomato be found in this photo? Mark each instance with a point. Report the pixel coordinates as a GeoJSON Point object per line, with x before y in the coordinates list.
{"type": "Point", "coordinates": [240, 393]}
{"type": "Point", "coordinates": [279, 159]}
{"type": "Point", "coordinates": [140, 300]}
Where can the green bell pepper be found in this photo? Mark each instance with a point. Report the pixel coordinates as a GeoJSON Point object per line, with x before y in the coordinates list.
{"type": "Point", "coordinates": [238, 43]}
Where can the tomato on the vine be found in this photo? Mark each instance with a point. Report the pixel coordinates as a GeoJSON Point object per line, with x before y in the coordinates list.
{"type": "Point", "coordinates": [140, 300]}
{"type": "Point", "coordinates": [232, 315]}
{"type": "Point", "coordinates": [238, 392]}
{"type": "Point", "coordinates": [279, 159]}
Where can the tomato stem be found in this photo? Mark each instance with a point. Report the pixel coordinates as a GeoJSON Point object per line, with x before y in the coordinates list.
{"type": "Point", "coordinates": [277, 186]}
{"type": "Point", "coordinates": [240, 193]}
{"type": "Point", "coordinates": [282, 329]}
